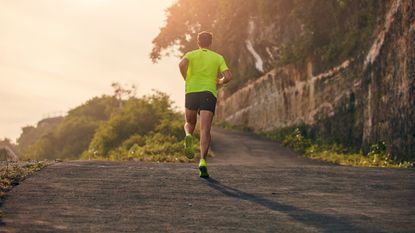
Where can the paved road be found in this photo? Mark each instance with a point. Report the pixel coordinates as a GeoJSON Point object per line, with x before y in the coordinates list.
{"type": "Point", "coordinates": [256, 186]}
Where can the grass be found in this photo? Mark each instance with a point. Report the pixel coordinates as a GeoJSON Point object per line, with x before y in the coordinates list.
{"type": "Point", "coordinates": [355, 159]}
{"type": "Point", "coordinates": [163, 149]}
{"type": "Point", "coordinates": [12, 173]}
{"type": "Point", "coordinates": [296, 139]}
{"type": "Point", "coordinates": [335, 153]}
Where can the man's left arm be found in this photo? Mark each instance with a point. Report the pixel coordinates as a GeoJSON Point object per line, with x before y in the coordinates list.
{"type": "Point", "coordinates": [184, 63]}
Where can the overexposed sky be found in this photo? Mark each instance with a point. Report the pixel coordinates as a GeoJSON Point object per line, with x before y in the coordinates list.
{"type": "Point", "coordinates": [57, 54]}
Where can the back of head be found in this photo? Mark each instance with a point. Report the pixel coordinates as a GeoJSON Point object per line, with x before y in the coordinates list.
{"type": "Point", "coordinates": [204, 39]}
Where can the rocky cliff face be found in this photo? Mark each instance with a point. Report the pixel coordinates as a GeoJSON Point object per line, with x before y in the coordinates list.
{"type": "Point", "coordinates": [362, 101]}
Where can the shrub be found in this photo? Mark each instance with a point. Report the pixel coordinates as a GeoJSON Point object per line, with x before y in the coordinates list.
{"type": "Point", "coordinates": [297, 141]}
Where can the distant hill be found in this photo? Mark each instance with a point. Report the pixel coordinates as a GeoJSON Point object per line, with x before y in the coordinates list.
{"type": "Point", "coordinates": [30, 134]}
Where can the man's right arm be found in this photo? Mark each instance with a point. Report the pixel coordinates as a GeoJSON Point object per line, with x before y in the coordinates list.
{"type": "Point", "coordinates": [226, 77]}
{"type": "Point", "coordinates": [184, 63]}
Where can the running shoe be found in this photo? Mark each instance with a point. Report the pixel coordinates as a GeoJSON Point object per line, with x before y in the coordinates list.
{"type": "Point", "coordinates": [203, 171]}
{"type": "Point", "coordinates": [188, 147]}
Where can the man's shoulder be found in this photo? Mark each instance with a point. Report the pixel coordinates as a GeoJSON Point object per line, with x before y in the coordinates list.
{"type": "Point", "coordinates": [189, 53]}
{"type": "Point", "coordinates": [194, 53]}
{"type": "Point", "coordinates": [203, 50]}
{"type": "Point", "coordinates": [216, 53]}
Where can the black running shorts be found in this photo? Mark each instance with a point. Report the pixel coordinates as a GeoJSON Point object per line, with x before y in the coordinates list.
{"type": "Point", "coordinates": [197, 101]}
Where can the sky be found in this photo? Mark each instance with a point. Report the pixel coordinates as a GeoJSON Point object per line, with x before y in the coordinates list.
{"type": "Point", "coordinates": [57, 54]}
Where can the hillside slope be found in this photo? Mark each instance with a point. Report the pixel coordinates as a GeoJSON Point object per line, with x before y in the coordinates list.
{"type": "Point", "coordinates": [345, 68]}
{"type": "Point", "coordinates": [364, 100]}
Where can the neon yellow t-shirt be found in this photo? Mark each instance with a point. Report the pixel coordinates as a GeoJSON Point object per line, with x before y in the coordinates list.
{"type": "Point", "coordinates": [202, 72]}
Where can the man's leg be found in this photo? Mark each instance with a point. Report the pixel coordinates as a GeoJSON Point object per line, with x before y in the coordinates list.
{"type": "Point", "coordinates": [190, 117]}
{"type": "Point", "coordinates": [189, 127]}
{"type": "Point", "coordinates": [206, 118]}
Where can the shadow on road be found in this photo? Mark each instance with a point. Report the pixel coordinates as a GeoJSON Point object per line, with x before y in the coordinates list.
{"type": "Point", "coordinates": [324, 222]}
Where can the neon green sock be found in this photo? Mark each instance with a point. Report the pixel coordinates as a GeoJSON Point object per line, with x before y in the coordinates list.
{"type": "Point", "coordinates": [202, 163]}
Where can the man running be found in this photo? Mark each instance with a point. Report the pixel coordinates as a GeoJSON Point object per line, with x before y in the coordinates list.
{"type": "Point", "coordinates": [202, 70]}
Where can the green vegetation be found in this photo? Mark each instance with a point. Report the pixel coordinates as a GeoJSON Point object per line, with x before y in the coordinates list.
{"type": "Point", "coordinates": [119, 127]}
{"type": "Point", "coordinates": [331, 31]}
{"type": "Point", "coordinates": [12, 173]}
{"type": "Point", "coordinates": [71, 137]}
{"type": "Point", "coordinates": [302, 140]}
{"type": "Point", "coordinates": [226, 125]}
{"type": "Point", "coordinates": [227, 19]}
{"type": "Point", "coordinates": [324, 32]}
{"type": "Point", "coordinates": [31, 133]}
{"type": "Point", "coordinates": [144, 128]}
{"type": "Point", "coordinates": [298, 139]}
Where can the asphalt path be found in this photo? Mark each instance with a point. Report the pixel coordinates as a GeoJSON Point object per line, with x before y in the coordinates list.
{"type": "Point", "coordinates": [256, 186]}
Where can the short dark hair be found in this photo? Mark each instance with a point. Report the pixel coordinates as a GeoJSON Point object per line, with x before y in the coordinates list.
{"type": "Point", "coordinates": [204, 39]}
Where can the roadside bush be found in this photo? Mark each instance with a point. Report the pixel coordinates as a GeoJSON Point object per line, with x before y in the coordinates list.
{"type": "Point", "coordinates": [297, 141]}
{"type": "Point", "coordinates": [301, 141]}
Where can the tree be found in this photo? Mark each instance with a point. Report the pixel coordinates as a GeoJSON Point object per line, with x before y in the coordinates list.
{"type": "Point", "coordinates": [73, 135]}
{"type": "Point", "coordinates": [138, 116]}
{"type": "Point", "coordinates": [324, 31]}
